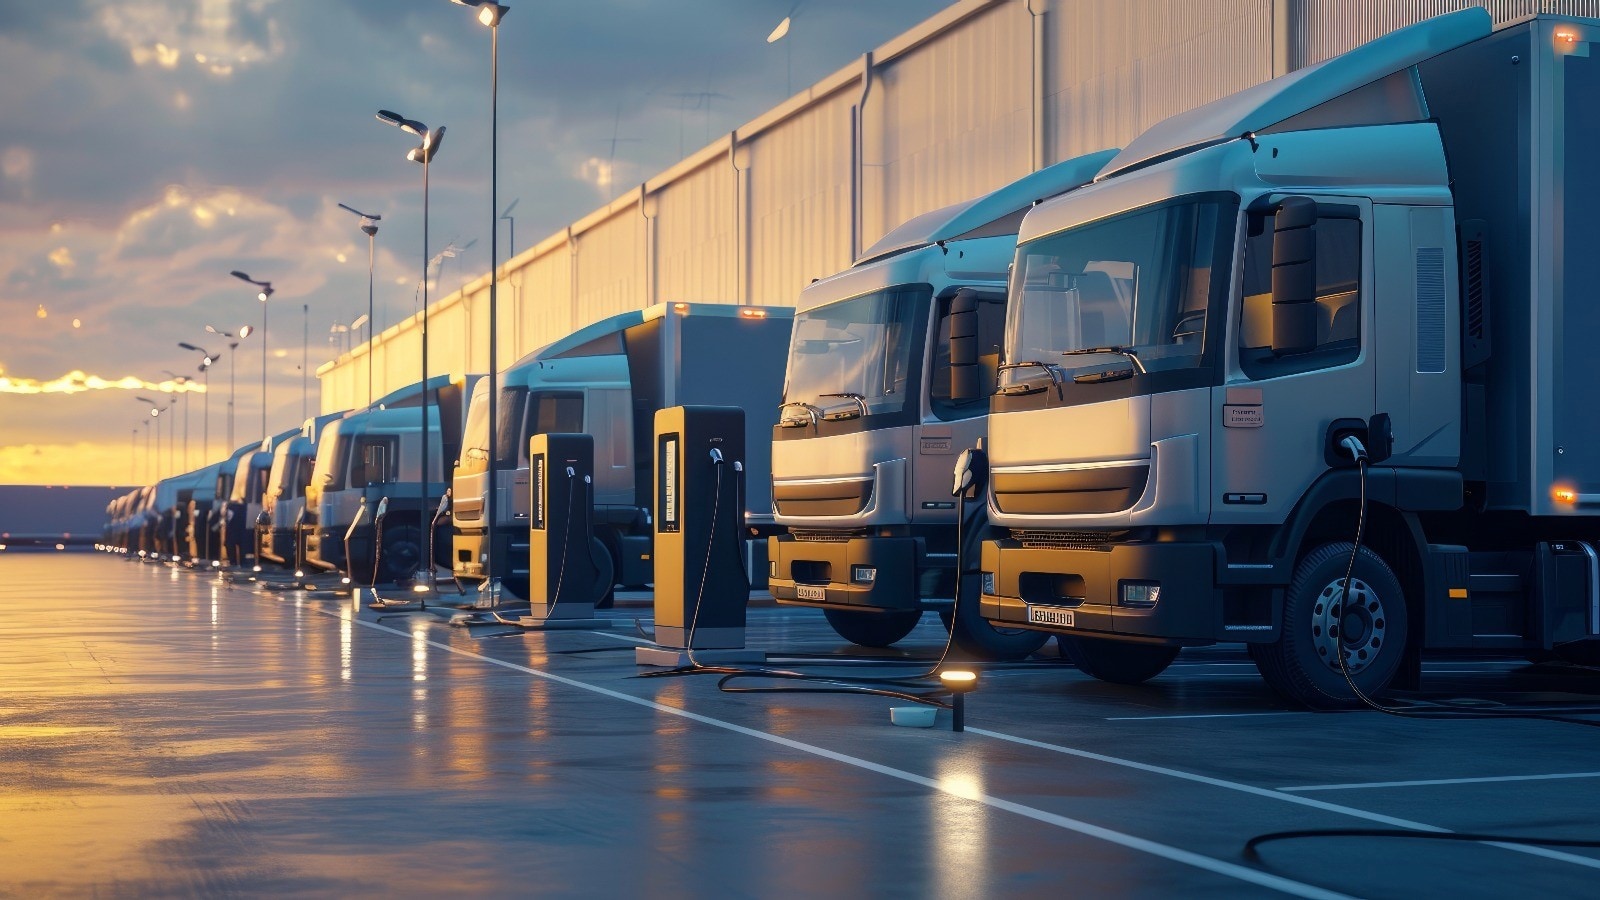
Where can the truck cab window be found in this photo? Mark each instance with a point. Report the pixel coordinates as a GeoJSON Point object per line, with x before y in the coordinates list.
{"type": "Point", "coordinates": [991, 342]}
{"type": "Point", "coordinates": [1338, 300]}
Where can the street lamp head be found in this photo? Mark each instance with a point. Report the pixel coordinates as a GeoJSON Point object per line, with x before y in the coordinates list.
{"type": "Point", "coordinates": [212, 329]}
{"type": "Point", "coordinates": [195, 348]}
{"type": "Point", "coordinates": [246, 331]}
{"type": "Point", "coordinates": [489, 13]}
{"type": "Point", "coordinates": [367, 219]}
{"type": "Point", "coordinates": [431, 142]}
{"type": "Point", "coordinates": [409, 126]}
{"type": "Point", "coordinates": [266, 286]}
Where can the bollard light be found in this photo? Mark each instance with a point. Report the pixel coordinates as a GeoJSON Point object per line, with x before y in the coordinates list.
{"type": "Point", "coordinates": [960, 683]}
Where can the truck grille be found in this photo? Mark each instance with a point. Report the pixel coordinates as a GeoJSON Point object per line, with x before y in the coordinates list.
{"type": "Point", "coordinates": [826, 537]}
{"type": "Point", "coordinates": [1062, 540]}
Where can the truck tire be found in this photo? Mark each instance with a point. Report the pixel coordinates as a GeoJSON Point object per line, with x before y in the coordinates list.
{"type": "Point", "coordinates": [1119, 662]}
{"type": "Point", "coordinates": [1301, 665]}
{"type": "Point", "coordinates": [872, 629]}
{"type": "Point", "coordinates": [401, 553]}
{"type": "Point", "coordinates": [982, 639]}
{"type": "Point", "coordinates": [605, 576]}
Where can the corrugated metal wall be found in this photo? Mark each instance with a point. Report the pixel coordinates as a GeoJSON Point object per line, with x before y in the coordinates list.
{"type": "Point", "coordinates": [965, 102]}
{"type": "Point", "coordinates": [948, 120]}
{"type": "Point", "coordinates": [1115, 69]}
{"type": "Point", "coordinates": [799, 194]}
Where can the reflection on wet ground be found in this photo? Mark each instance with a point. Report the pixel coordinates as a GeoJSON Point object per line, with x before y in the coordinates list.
{"type": "Point", "coordinates": [164, 733]}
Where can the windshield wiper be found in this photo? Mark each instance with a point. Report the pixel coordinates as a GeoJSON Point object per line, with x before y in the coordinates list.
{"type": "Point", "coordinates": [859, 400]}
{"type": "Point", "coordinates": [813, 414]}
{"type": "Point", "coordinates": [1125, 351]}
{"type": "Point", "coordinates": [1026, 388]}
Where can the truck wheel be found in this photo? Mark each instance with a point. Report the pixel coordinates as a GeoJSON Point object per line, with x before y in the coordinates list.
{"type": "Point", "coordinates": [401, 554]}
{"type": "Point", "coordinates": [969, 630]}
{"type": "Point", "coordinates": [605, 576]}
{"type": "Point", "coordinates": [872, 629]}
{"type": "Point", "coordinates": [1119, 662]}
{"type": "Point", "coordinates": [978, 637]}
{"type": "Point", "coordinates": [1370, 631]}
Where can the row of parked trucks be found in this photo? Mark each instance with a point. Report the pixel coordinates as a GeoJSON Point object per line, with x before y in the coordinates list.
{"type": "Point", "coordinates": [1306, 369]}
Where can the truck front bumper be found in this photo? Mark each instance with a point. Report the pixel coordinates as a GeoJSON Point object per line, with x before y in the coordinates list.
{"type": "Point", "coordinates": [1105, 592]}
{"type": "Point", "coordinates": [854, 572]}
{"type": "Point", "coordinates": [325, 548]}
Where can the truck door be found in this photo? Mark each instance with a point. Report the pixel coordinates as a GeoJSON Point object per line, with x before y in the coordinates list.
{"type": "Point", "coordinates": [1270, 417]}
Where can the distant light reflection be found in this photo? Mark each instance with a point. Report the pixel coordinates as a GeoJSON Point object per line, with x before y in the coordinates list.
{"type": "Point", "coordinates": [960, 833]}
{"type": "Point", "coordinates": [346, 635]}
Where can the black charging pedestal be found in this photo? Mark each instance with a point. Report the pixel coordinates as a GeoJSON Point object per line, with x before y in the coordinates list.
{"type": "Point", "coordinates": [561, 567]}
{"type": "Point", "coordinates": [701, 586]}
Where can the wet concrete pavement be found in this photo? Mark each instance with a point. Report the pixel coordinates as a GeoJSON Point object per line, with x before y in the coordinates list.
{"type": "Point", "coordinates": [163, 733]}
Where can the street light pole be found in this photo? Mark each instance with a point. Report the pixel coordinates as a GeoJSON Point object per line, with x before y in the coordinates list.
{"type": "Point", "coordinates": [431, 139]}
{"type": "Point", "coordinates": [233, 345]}
{"type": "Point", "coordinates": [207, 359]}
{"type": "Point", "coordinates": [262, 295]}
{"type": "Point", "coordinates": [369, 226]}
{"type": "Point", "coordinates": [490, 14]}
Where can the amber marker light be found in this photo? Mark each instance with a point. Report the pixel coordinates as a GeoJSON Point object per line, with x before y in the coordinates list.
{"type": "Point", "coordinates": [1564, 495]}
{"type": "Point", "coordinates": [1566, 36]}
{"type": "Point", "coordinates": [753, 313]}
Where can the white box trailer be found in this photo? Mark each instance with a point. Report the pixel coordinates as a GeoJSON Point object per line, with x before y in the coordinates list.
{"type": "Point", "coordinates": [1395, 246]}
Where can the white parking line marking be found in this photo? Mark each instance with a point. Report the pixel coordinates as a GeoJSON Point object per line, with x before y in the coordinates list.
{"type": "Point", "coordinates": [1280, 796]}
{"type": "Point", "coordinates": [1204, 716]}
{"type": "Point", "coordinates": [1434, 781]}
{"type": "Point", "coordinates": [1173, 854]}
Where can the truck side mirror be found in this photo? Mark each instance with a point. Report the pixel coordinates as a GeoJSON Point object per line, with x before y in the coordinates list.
{"type": "Point", "coordinates": [1294, 276]}
{"type": "Point", "coordinates": [965, 374]}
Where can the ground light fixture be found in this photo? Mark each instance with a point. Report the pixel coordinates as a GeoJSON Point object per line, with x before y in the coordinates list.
{"type": "Point", "coordinates": [960, 683]}
{"type": "Point", "coordinates": [265, 291]}
{"type": "Point", "coordinates": [369, 227]}
{"type": "Point", "coordinates": [432, 139]}
{"type": "Point", "coordinates": [490, 14]}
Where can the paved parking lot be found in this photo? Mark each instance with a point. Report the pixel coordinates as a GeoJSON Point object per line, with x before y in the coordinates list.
{"type": "Point", "coordinates": [166, 733]}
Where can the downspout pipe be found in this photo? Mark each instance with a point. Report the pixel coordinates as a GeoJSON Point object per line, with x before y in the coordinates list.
{"type": "Point", "coordinates": [857, 151]}
{"type": "Point", "coordinates": [1038, 150]}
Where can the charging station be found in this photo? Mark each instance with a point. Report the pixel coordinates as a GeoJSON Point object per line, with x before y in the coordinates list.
{"type": "Point", "coordinates": [702, 588]}
{"type": "Point", "coordinates": [562, 570]}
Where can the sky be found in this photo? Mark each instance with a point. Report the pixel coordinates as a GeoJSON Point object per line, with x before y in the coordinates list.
{"type": "Point", "coordinates": [150, 147]}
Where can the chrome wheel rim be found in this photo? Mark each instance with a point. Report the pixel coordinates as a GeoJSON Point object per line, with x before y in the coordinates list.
{"type": "Point", "coordinates": [1357, 627]}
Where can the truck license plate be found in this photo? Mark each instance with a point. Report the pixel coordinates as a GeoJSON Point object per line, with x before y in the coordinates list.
{"type": "Point", "coordinates": [1050, 615]}
{"type": "Point", "coordinates": [810, 592]}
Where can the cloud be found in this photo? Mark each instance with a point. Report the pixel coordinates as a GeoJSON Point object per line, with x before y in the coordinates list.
{"type": "Point", "coordinates": [214, 36]}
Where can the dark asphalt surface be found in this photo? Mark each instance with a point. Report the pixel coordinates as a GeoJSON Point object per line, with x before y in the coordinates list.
{"type": "Point", "coordinates": [164, 733]}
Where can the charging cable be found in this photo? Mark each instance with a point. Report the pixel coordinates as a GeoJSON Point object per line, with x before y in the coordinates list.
{"type": "Point", "coordinates": [1353, 446]}
{"type": "Point", "coordinates": [839, 684]}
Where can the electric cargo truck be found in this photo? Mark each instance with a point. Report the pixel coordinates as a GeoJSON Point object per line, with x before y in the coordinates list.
{"type": "Point", "coordinates": [607, 380]}
{"type": "Point", "coordinates": [205, 533]}
{"type": "Point", "coordinates": [248, 491]}
{"type": "Point", "coordinates": [1343, 318]}
{"type": "Point", "coordinates": [279, 526]}
{"type": "Point", "coordinates": [373, 457]}
{"type": "Point", "coordinates": [889, 376]}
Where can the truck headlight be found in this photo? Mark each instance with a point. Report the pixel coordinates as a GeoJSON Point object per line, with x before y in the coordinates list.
{"type": "Point", "coordinates": [772, 568]}
{"type": "Point", "coordinates": [1138, 594]}
{"type": "Point", "coordinates": [863, 574]}
{"type": "Point", "coordinates": [986, 583]}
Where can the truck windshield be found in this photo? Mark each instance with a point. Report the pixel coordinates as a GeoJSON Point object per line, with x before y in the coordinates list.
{"type": "Point", "coordinates": [475, 434]}
{"type": "Point", "coordinates": [856, 358]}
{"type": "Point", "coordinates": [1133, 290]}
